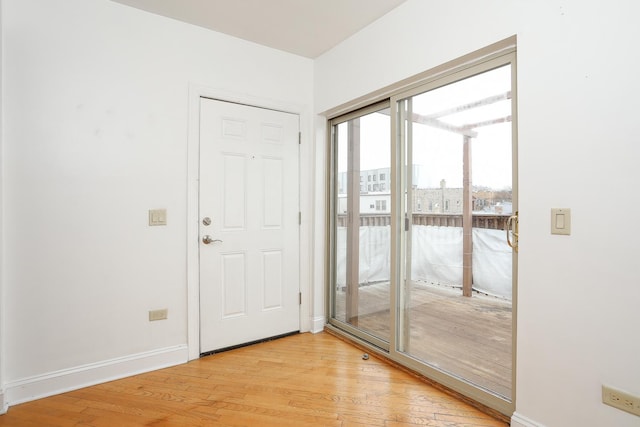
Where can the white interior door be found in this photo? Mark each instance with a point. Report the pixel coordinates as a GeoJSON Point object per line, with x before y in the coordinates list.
{"type": "Point", "coordinates": [249, 264]}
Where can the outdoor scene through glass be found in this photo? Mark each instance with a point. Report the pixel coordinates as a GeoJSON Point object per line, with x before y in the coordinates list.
{"type": "Point", "coordinates": [455, 296]}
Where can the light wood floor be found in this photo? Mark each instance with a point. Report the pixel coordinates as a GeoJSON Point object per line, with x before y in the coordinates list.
{"type": "Point", "coordinates": [468, 337]}
{"type": "Point", "coordinates": [302, 380]}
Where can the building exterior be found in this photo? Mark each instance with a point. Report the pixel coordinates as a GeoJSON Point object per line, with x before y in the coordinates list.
{"type": "Point", "coordinates": [372, 180]}
{"type": "Point", "coordinates": [378, 180]}
{"type": "Point", "coordinates": [370, 203]}
{"type": "Point", "coordinates": [438, 200]}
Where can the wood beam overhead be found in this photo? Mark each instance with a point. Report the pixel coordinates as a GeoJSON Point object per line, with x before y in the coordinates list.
{"type": "Point", "coordinates": [471, 105]}
{"type": "Point", "coordinates": [438, 124]}
{"type": "Point", "coordinates": [487, 123]}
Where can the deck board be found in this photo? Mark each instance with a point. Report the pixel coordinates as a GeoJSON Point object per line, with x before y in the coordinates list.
{"type": "Point", "coordinates": [469, 337]}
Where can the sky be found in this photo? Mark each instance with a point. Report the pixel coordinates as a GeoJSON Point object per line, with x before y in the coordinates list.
{"type": "Point", "coordinates": [439, 152]}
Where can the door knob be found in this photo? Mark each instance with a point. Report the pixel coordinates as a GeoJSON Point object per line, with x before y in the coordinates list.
{"type": "Point", "coordinates": [207, 240]}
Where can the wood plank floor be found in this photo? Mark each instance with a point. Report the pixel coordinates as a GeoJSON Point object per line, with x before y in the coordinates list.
{"type": "Point", "coordinates": [302, 380]}
{"type": "Point", "coordinates": [469, 337]}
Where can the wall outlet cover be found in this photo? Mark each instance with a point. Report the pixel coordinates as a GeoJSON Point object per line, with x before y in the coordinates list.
{"type": "Point", "coordinates": [621, 400]}
{"type": "Point", "coordinates": [161, 314]}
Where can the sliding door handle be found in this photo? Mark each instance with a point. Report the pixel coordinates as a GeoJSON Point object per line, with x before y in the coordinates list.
{"type": "Point", "coordinates": [512, 231]}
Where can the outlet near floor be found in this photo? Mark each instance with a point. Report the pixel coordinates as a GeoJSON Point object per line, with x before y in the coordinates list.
{"type": "Point", "coordinates": [621, 400]}
{"type": "Point", "coordinates": [158, 314]}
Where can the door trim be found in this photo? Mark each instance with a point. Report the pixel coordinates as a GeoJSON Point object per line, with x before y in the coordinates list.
{"type": "Point", "coordinates": [197, 91]}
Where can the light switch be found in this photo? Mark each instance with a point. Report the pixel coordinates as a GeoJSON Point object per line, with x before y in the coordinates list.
{"type": "Point", "coordinates": [561, 221]}
{"type": "Point", "coordinates": [157, 217]}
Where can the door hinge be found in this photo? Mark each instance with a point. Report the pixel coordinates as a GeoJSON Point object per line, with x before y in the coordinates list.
{"type": "Point", "coordinates": [299, 138]}
{"type": "Point", "coordinates": [299, 298]}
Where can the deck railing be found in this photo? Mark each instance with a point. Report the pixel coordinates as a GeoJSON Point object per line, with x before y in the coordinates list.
{"type": "Point", "coordinates": [489, 221]}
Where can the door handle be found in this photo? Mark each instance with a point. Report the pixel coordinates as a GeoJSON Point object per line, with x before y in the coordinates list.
{"type": "Point", "coordinates": [207, 240]}
{"type": "Point", "coordinates": [512, 230]}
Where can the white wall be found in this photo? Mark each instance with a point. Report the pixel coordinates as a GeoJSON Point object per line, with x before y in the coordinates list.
{"type": "Point", "coordinates": [578, 101]}
{"type": "Point", "coordinates": [96, 104]}
{"type": "Point", "coordinates": [95, 108]}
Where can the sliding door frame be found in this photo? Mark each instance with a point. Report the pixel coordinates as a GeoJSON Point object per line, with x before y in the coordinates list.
{"type": "Point", "coordinates": [494, 56]}
{"type": "Point", "coordinates": [353, 239]}
{"type": "Point", "coordinates": [400, 256]}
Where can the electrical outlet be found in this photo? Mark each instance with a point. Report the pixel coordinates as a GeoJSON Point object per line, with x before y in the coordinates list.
{"type": "Point", "coordinates": [621, 400]}
{"type": "Point", "coordinates": [158, 314]}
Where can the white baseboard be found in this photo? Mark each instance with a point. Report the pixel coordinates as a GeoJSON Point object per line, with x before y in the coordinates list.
{"type": "Point", "coordinates": [3, 403]}
{"type": "Point", "coordinates": [318, 324]}
{"type": "Point", "coordinates": [518, 420]}
{"type": "Point", "coordinates": [62, 381]}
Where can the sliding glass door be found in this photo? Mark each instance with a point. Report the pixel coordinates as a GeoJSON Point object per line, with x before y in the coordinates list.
{"type": "Point", "coordinates": [456, 295]}
{"type": "Point", "coordinates": [362, 218]}
{"type": "Point", "coordinates": [423, 228]}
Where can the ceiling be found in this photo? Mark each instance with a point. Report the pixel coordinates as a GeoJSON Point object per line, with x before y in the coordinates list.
{"type": "Point", "coordinates": [303, 27]}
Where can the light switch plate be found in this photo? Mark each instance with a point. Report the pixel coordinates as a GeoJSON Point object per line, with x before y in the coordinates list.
{"type": "Point", "coordinates": [157, 217]}
{"type": "Point", "coordinates": [561, 221]}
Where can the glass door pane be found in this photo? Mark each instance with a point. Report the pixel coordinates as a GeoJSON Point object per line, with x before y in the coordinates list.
{"type": "Point", "coordinates": [362, 216]}
{"type": "Point", "coordinates": [455, 300]}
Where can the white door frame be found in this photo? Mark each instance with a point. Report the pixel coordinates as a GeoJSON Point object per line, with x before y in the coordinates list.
{"type": "Point", "coordinates": [306, 199]}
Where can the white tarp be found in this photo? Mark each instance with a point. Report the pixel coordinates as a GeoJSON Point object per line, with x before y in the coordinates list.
{"type": "Point", "coordinates": [492, 262]}
{"type": "Point", "coordinates": [374, 254]}
{"type": "Point", "coordinates": [436, 257]}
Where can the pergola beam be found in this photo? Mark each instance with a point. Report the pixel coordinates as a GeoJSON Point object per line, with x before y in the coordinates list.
{"type": "Point", "coordinates": [467, 220]}
{"type": "Point", "coordinates": [425, 120]}
{"type": "Point", "coordinates": [353, 209]}
{"type": "Point", "coordinates": [487, 123]}
{"type": "Point", "coordinates": [471, 105]}
{"type": "Point", "coordinates": [468, 132]}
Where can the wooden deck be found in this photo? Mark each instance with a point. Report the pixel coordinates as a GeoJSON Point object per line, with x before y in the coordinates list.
{"type": "Point", "coordinates": [303, 381]}
{"type": "Point", "coordinates": [467, 337]}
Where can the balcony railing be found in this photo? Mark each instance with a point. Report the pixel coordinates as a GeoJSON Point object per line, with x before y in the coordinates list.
{"type": "Point", "coordinates": [488, 221]}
